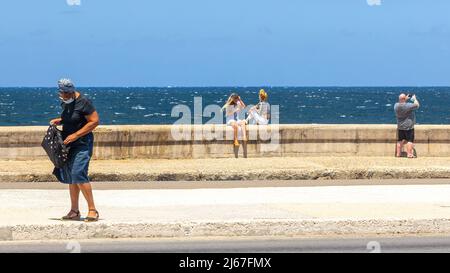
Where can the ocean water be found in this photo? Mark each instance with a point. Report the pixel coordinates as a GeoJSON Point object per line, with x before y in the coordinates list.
{"type": "Point", "coordinates": [338, 105]}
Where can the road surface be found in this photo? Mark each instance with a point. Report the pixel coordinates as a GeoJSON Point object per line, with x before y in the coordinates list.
{"type": "Point", "coordinates": [236, 245]}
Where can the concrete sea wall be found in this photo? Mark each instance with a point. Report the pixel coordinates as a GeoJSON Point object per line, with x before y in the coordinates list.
{"type": "Point", "coordinates": [215, 141]}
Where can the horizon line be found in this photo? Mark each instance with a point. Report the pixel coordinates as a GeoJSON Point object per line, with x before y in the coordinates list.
{"type": "Point", "coordinates": [243, 86]}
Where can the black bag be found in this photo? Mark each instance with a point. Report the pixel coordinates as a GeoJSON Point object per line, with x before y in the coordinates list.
{"type": "Point", "coordinates": [53, 145]}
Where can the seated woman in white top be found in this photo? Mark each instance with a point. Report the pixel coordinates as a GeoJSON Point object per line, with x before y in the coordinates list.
{"type": "Point", "coordinates": [233, 106]}
{"type": "Point", "coordinates": [260, 113]}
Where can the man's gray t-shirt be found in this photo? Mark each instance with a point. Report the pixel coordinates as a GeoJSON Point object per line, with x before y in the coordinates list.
{"type": "Point", "coordinates": [406, 118]}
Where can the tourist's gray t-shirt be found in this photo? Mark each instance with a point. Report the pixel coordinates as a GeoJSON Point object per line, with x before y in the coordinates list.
{"type": "Point", "coordinates": [406, 118]}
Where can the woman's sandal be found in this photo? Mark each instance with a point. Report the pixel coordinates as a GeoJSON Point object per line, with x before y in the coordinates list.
{"type": "Point", "coordinates": [77, 216]}
{"type": "Point", "coordinates": [92, 219]}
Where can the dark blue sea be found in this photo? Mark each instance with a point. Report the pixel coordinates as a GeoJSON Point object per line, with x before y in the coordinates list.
{"type": "Point", "coordinates": [364, 105]}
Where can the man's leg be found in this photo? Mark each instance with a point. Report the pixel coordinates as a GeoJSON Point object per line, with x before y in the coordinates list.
{"type": "Point", "coordinates": [401, 138]}
{"type": "Point", "coordinates": [410, 149]}
{"type": "Point", "coordinates": [410, 144]}
{"type": "Point", "coordinates": [399, 148]}
{"type": "Point", "coordinates": [400, 145]}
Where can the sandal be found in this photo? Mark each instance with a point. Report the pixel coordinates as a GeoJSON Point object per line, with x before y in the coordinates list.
{"type": "Point", "coordinates": [77, 216]}
{"type": "Point", "coordinates": [92, 219]}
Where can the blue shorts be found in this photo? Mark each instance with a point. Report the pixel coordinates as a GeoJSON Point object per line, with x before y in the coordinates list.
{"type": "Point", "coordinates": [76, 169]}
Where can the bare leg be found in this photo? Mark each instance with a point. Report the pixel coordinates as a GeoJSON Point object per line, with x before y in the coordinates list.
{"type": "Point", "coordinates": [86, 189]}
{"type": "Point", "coordinates": [244, 131]}
{"type": "Point", "coordinates": [74, 197]}
{"type": "Point", "coordinates": [399, 148]}
{"type": "Point", "coordinates": [235, 128]}
{"type": "Point", "coordinates": [74, 213]}
{"type": "Point", "coordinates": [409, 149]}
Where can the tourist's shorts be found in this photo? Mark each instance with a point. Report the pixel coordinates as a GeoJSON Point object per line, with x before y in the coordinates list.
{"type": "Point", "coordinates": [76, 169]}
{"type": "Point", "coordinates": [231, 121]}
{"type": "Point", "coordinates": [255, 117]}
{"type": "Point", "coordinates": [407, 135]}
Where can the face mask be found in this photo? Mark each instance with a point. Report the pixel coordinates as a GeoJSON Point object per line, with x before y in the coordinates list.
{"type": "Point", "coordinates": [69, 101]}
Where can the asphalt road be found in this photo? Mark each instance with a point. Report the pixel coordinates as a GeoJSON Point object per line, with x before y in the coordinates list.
{"type": "Point", "coordinates": [237, 245]}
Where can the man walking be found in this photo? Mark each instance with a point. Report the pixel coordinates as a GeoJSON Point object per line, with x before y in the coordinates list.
{"type": "Point", "coordinates": [406, 118]}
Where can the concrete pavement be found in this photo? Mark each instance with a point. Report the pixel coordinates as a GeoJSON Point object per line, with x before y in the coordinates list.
{"type": "Point", "coordinates": [223, 169]}
{"type": "Point", "coordinates": [264, 211]}
{"type": "Point", "coordinates": [142, 185]}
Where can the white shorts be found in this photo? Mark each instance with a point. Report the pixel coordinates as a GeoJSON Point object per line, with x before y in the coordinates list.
{"type": "Point", "coordinates": [230, 122]}
{"type": "Point", "coordinates": [258, 119]}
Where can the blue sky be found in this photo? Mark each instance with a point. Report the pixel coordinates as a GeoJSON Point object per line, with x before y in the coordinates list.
{"type": "Point", "coordinates": [225, 43]}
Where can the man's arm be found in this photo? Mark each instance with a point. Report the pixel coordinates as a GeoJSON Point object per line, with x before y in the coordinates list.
{"type": "Point", "coordinates": [416, 101]}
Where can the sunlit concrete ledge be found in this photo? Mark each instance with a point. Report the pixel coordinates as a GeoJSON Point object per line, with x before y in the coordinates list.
{"type": "Point", "coordinates": [215, 141]}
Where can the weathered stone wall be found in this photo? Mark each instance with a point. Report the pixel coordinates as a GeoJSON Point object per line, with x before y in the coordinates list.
{"type": "Point", "coordinates": [215, 141]}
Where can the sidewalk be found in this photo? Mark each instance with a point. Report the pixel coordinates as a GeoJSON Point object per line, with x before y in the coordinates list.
{"type": "Point", "coordinates": [270, 211]}
{"type": "Point", "coordinates": [269, 168]}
